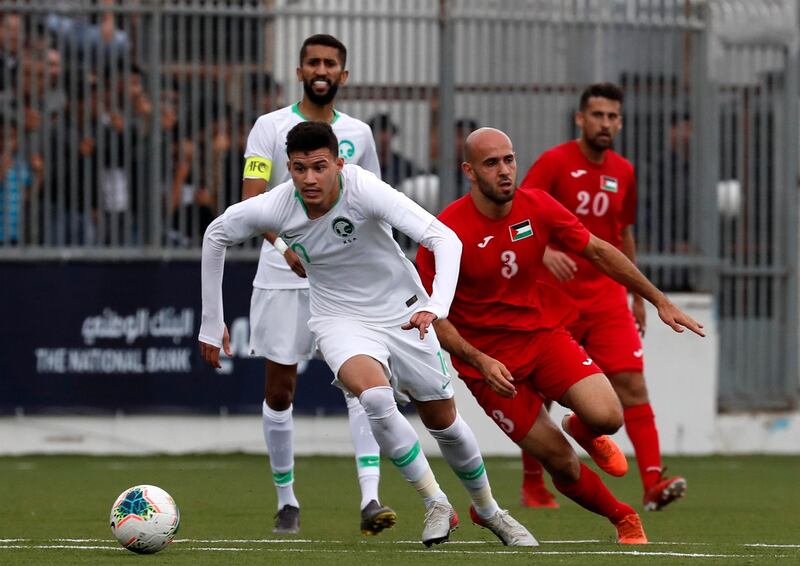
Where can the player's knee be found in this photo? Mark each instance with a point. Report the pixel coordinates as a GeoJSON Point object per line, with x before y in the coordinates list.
{"type": "Point", "coordinates": [438, 414]}
{"type": "Point", "coordinates": [378, 403]}
{"type": "Point", "coordinates": [610, 421]}
{"type": "Point", "coordinates": [279, 400]}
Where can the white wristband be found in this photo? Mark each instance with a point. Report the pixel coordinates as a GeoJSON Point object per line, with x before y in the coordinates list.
{"type": "Point", "coordinates": [280, 245]}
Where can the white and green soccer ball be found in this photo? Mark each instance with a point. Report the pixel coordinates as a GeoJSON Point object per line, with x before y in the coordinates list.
{"type": "Point", "coordinates": [145, 518]}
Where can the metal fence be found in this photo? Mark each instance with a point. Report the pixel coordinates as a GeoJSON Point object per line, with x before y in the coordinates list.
{"type": "Point", "coordinates": [124, 125]}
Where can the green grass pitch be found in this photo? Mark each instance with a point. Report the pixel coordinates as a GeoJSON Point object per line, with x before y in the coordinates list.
{"type": "Point", "coordinates": [54, 510]}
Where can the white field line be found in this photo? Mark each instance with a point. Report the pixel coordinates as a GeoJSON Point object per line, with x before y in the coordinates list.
{"type": "Point", "coordinates": [437, 551]}
{"type": "Point", "coordinates": [773, 545]}
{"type": "Point", "coordinates": [60, 547]}
{"type": "Point", "coordinates": [284, 545]}
{"type": "Point", "coordinates": [5, 541]}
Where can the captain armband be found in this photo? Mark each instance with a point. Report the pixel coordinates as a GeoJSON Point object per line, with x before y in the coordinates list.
{"type": "Point", "coordinates": [257, 168]}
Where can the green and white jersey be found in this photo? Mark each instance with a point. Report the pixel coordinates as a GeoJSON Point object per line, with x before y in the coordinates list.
{"type": "Point", "coordinates": [355, 268]}
{"type": "Point", "coordinates": [265, 158]}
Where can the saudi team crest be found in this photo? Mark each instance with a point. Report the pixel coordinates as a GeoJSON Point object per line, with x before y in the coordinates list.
{"type": "Point", "coordinates": [343, 227]}
{"type": "Point", "coordinates": [347, 149]}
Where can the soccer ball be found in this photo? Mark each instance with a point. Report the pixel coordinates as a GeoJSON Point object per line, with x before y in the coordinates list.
{"type": "Point", "coordinates": [145, 518]}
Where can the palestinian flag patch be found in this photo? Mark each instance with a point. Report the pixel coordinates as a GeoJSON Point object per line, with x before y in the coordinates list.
{"type": "Point", "coordinates": [520, 230]}
{"type": "Point", "coordinates": [609, 184]}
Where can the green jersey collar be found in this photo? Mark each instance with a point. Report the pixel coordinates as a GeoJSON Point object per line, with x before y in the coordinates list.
{"type": "Point", "coordinates": [299, 197]}
{"type": "Point", "coordinates": [296, 110]}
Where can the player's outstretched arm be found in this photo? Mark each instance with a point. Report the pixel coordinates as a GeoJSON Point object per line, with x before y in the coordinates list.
{"type": "Point", "coordinates": [238, 223]}
{"type": "Point", "coordinates": [493, 371]}
{"type": "Point", "coordinates": [255, 187]}
{"type": "Point", "coordinates": [613, 263]}
{"type": "Point", "coordinates": [629, 249]}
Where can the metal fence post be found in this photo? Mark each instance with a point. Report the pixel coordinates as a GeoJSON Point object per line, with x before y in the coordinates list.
{"type": "Point", "coordinates": [448, 191]}
{"type": "Point", "coordinates": [155, 239]}
{"type": "Point", "coordinates": [705, 154]}
{"type": "Point", "coordinates": [790, 182]}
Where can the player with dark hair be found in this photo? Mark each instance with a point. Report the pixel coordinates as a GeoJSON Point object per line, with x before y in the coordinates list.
{"type": "Point", "coordinates": [366, 297]}
{"type": "Point", "coordinates": [505, 328]}
{"type": "Point", "coordinates": [598, 185]}
{"type": "Point", "coordinates": [279, 305]}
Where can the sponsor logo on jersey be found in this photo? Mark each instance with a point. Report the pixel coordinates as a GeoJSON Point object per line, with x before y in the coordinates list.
{"type": "Point", "coordinates": [343, 227]}
{"type": "Point", "coordinates": [288, 236]}
{"type": "Point", "coordinates": [485, 242]}
{"type": "Point", "coordinates": [638, 353]}
{"type": "Point", "coordinates": [520, 230]}
{"type": "Point", "coordinates": [587, 362]}
{"type": "Point", "coordinates": [578, 173]}
{"type": "Point", "coordinates": [257, 168]}
{"type": "Point", "coordinates": [346, 149]}
{"type": "Point", "coordinates": [609, 184]}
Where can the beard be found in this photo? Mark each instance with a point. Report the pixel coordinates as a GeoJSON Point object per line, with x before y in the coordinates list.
{"type": "Point", "coordinates": [320, 99]}
{"type": "Point", "coordinates": [488, 190]}
{"type": "Point", "coordinates": [598, 145]}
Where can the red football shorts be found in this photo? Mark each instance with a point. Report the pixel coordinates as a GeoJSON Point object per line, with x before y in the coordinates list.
{"type": "Point", "coordinates": [610, 337]}
{"type": "Point", "coordinates": [545, 364]}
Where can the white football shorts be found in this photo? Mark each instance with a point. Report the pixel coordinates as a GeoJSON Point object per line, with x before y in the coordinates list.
{"type": "Point", "coordinates": [279, 325]}
{"type": "Point", "coordinates": [416, 368]}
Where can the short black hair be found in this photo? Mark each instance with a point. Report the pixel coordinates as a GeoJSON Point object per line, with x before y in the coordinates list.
{"type": "Point", "coordinates": [466, 125]}
{"type": "Point", "coordinates": [328, 41]}
{"type": "Point", "coordinates": [382, 123]}
{"type": "Point", "coordinates": [601, 90]}
{"type": "Point", "coordinates": [310, 136]}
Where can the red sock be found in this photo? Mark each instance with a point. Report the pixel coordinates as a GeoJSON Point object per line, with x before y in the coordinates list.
{"type": "Point", "coordinates": [641, 426]}
{"type": "Point", "coordinates": [590, 492]}
{"type": "Point", "coordinates": [579, 431]}
{"type": "Point", "coordinates": [532, 471]}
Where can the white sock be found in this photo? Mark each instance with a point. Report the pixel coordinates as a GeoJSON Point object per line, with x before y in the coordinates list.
{"type": "Point", "coordinates": [460, 449]}
{"type": "Point", "coordinates": [368, 453]}
{"type": "Point", "coordinates": [278, 432]}
{"type": "Point", "coordinates": [399, 441]}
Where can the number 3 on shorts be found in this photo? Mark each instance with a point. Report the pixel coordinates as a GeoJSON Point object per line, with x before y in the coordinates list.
{"type": "Point", "coordinates": [510, 267]}
{"type": "Point", "coordinates": [502, 421]}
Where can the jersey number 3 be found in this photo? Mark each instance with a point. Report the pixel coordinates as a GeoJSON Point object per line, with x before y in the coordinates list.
{"type": "Point", "coordinates": [510, 267]}
{"type": "Point", "coordinates": [597, 205]}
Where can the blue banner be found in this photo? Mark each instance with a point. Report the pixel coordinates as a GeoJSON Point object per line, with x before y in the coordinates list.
{"type": "Point", "coordinates": [92, 338]}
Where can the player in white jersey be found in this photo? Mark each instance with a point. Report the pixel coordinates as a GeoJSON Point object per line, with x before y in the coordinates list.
{"type": "Point", "coordinates": [365, 296]}
{"type": "Point", "coordinates": [279, 305]}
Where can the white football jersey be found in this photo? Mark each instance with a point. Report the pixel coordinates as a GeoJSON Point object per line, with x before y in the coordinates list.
{"type": "Point", "coordinates": [355, 268]}
{"type": "Point", "coordinates": [267, 145]}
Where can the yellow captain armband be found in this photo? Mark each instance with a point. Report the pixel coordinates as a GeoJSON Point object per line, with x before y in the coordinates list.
{"type": "Point", "coordinates": [257, 168]}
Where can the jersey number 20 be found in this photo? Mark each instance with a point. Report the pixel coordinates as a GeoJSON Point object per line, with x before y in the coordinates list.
{"type": "Point", "coordinates": [597, 205]}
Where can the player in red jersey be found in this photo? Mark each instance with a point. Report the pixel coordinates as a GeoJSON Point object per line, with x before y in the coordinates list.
{"type": "Point", "coordinates": [598, 185]}
{"type": "Point", "coordinates": [505, 328]}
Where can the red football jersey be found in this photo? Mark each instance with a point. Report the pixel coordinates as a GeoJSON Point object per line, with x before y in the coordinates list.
{"type": "Point", "coordinates": [499, 286]}
{"type": "Point", "coordinates": [603, 197]}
